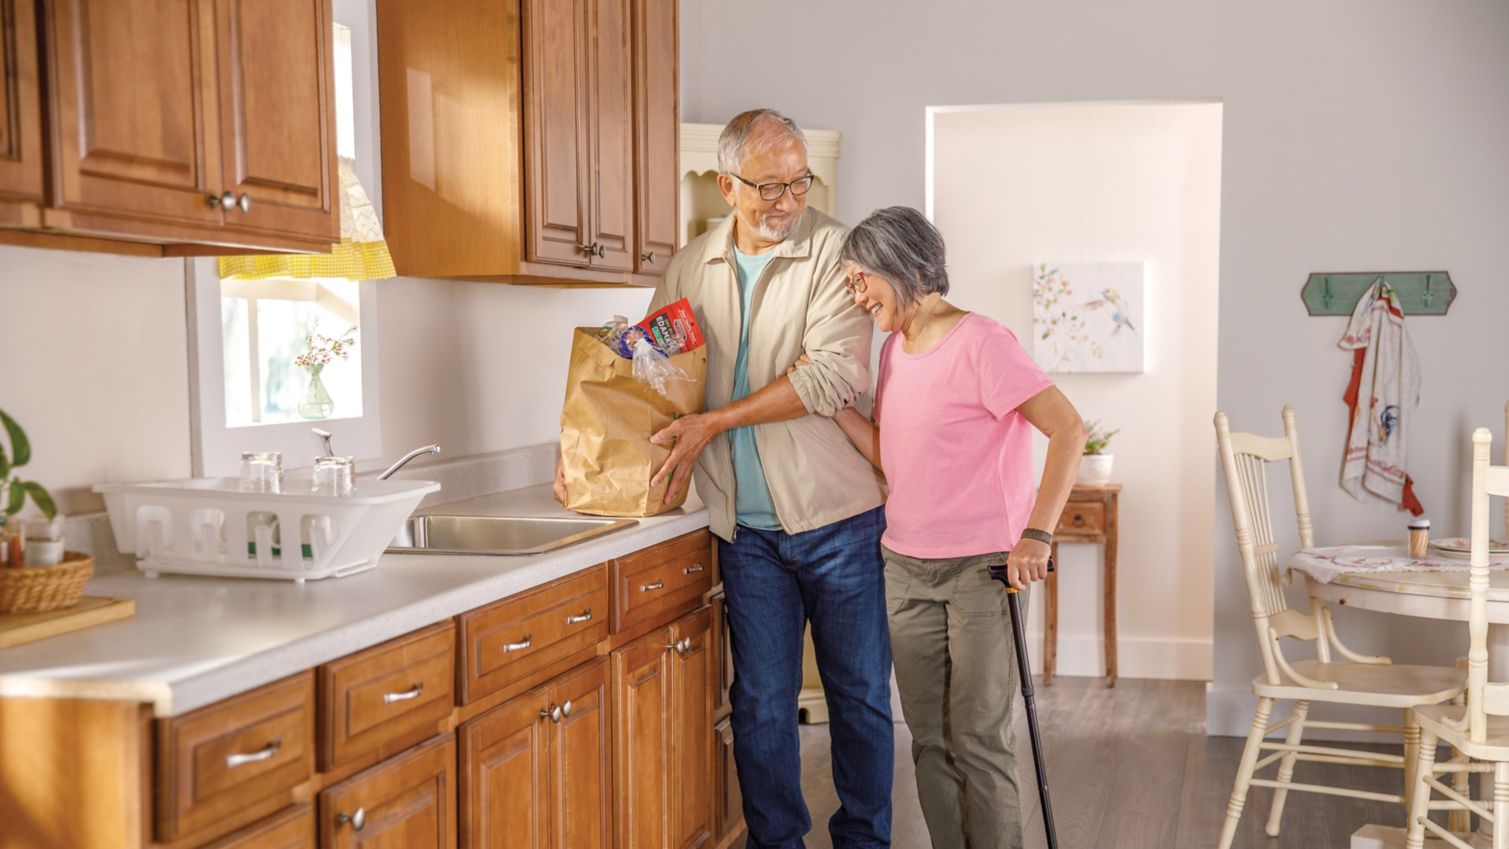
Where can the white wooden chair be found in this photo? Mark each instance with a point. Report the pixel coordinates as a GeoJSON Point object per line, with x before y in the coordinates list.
{"type": "Point", "coordinates": [1356, 680]}
{"type": "Point", "coordinates": [1479, 729]}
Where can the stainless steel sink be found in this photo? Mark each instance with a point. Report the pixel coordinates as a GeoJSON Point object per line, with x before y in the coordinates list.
{"type": "Point", "coordinates": [505, 535]}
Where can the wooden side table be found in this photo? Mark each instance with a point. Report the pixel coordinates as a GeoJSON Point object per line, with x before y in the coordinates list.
{"type": "Point", "coordinates": [1089, 516]}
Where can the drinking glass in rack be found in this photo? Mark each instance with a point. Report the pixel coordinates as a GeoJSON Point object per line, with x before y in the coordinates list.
{"type": "Point", "coordinates": [261, 471]}
{"type": "Point", "coordinates": [333, 475]}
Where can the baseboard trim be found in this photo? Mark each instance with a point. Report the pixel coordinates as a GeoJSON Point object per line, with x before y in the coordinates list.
{"type": "Point", "coordinates": [1136, 657]}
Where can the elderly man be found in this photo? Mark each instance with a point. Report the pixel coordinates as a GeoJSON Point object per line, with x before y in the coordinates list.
{"type": "Point", "coordinates": [797, 510]}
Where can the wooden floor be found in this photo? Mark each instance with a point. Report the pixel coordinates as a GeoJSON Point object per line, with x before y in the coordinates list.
{"type": "Point", "coordinates": [1137, 772]}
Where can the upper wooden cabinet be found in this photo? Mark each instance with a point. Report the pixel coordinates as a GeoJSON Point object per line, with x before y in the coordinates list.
{"type": "Point", "coordinates": [657, 134]}
{"type": "Point", "coordinates": [171, 122]}
{"type": "Point", "coordinates": [21, 174]}
{"type": "Point", "coordinates": [530, 140]}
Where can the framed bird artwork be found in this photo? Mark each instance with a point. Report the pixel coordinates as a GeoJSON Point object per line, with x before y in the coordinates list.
{"type": "Point", "coordinates": [1087, 316]}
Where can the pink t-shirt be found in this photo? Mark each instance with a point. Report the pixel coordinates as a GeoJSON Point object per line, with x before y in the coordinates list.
{"type": "Point", "coordinates": [956, 453]}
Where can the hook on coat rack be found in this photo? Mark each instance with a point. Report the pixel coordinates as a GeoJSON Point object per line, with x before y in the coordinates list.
{"type": "Point", "coordinates": [1337, 293]}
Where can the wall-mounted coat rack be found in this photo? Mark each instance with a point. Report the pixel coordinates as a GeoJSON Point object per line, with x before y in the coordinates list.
{"type": "Point", "coordinates": [1420, 292]}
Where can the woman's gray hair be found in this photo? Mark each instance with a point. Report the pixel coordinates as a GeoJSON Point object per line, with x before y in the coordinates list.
{"type": "Point", "coordinates": [901, 245]}
{"type": "Point", "coordinates": [745, 127]}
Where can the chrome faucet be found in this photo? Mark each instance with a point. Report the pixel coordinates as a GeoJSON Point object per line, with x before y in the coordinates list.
{"type": "Point", "coordinates": [417, 452]}
{"type": "Point", "coordinates": [324, 436]}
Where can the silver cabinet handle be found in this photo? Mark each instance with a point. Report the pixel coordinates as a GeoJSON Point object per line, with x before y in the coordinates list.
{"type": "Point", "coordinates": [659, 584]}
{"type": "Point", "coordinates": [357, 820]}
{"type": "Point", "coordinates": [511, 647]}
{"type": "Point", "coordinates": [584, 616]}
{"type": "Point", "coordinates": [588, 248]}
{"type": "Point", "coordinates": [566, 708]}
{"type": "Point", "coordinates": [226, 200]}
{"type": "Point", "coordinates": [233, 761]}
{"type": "Point", "coordinates": [555, 713]}
{"type": "Point", "coordinates": [680, 646]}
{"type": "Point", "coordinates": [600, 249]}
{"type": "Point", "coordinates": [648, 258]}
{"type": "Point", "coordinates": [245, 202]}
{"type": "Point", "coordinates": [412, 693]}
{"type": "Point", "coordinates": [692, 570]}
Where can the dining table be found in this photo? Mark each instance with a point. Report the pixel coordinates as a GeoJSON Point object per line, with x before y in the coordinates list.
{"type": "Point", "coordinates": [1386, 578]}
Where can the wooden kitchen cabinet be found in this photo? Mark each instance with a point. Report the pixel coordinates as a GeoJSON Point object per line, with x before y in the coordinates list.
{"type": "Point", "coordinates": [407, 802]}
{"type": "Point", "coordinates": [21, 173]}
{"type": "Point", "coordinates": [513, 137]}
{"type": "Point", "coordinates": [535, 771]}
{"type": "Point", "coordinates": [175, 123]}
{"type": "Point", "coordinates": [277, 107]}
{"type": "Point", "coordinates": [657, 134]}
{"type": "Point", "coordinates": [663, 724]}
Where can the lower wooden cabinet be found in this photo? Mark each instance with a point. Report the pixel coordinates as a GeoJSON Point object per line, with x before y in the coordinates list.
{"type": "Point", "coordinates": [535, 771]}
{"type": "Point", "coordinates": [405, 802]}
{"type": "Point", "coordinates": [726, 795]}
{"type": "Point", "coordinates": [663, 705]}
{"type": "Point", "coordinates": [293, 829]}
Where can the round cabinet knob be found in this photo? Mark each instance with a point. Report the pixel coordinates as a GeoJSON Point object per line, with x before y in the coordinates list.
{"type": "Point", "coordinates": [357, 820]}
{"type": "Point", "coordinates": [224, 201]}
{"type": "Point", "coordinates": [245, 202]}
{"type": "Point", "coordinates": [587, 248]}
{"type": "Point", "coordinates": [648, 258]}
{"type": "Point", "coordinates": [566, 708]}
{"type": "Point", "coordinates": [555, 713]}
{"type": "Point", "coordinates": [1079, 520]}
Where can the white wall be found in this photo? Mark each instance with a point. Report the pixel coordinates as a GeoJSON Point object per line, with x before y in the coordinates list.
{"type": "Point", "coordinates": [1358, 135]}
{"type": "Point", "coordinates": [1017, 185]}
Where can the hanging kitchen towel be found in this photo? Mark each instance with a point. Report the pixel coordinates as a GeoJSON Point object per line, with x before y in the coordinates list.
{"type": "Point", "coordinates": [1382, 396]}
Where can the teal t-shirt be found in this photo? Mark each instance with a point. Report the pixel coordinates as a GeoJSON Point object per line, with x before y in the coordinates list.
{"type": "Point", "coordinates": [752, 505]}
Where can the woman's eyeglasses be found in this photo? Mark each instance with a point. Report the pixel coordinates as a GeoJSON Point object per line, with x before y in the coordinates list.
{"type": "Point", "coordinates": [856, 283]}
{"type": "Point", "coordinates": [773, 191]}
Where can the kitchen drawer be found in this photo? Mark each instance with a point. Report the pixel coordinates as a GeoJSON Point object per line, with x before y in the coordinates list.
{"type": "Point", "coordinates": [407, 801]}
{"type": "Point", "coordinates": [388, 697]}
{"type": "Point", "coordinates": [293, 829]}
{"type": "Point", "coordinates": [510, 639]}
{"type": "Point", "coordinates": [1082, 518]}
{"type": "Point", "coordinates": [649, 585]}
{"type": "Point", "coordinates": [221, 766]}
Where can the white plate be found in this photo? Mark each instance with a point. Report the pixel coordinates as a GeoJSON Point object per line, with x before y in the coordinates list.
{"type": "Point", "coordinates": [1461, 547]}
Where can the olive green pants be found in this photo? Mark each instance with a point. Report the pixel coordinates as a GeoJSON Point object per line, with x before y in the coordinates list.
{"type": "Point", "coordinates": [956, 670]}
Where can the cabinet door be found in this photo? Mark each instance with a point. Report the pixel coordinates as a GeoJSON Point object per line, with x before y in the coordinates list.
{"type": "Point", "coordinates": [132, 94]}
{"type": "Point", "coordinates": [581, 772]}
{"type": "Point", "coordinates": [692, 667]}
{"type": "Point", "coordinates": [657, 134]}
{"type": "Point", "coordinates": [610, 101]}
{"type": "Point", "coordinates": [20, 113]}
{"type": "Point", "coordinates": [729, 802]}
{"type": "Point", "coordinates": [642, 724]}
{"type": "Point", "coordinates": [555, 130]}
{"type": "Point", "coordinates": [504, 782]}
{"type": "Point", "coordinates": [406, 802]}
{"type": "Point", "coordinates": [277, 108]}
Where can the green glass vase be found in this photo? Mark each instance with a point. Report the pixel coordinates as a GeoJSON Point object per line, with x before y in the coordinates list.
{"type": "Point", "coordinates": [317, 403]}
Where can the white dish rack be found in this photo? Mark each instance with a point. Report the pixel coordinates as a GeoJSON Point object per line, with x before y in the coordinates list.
{"type": "Point", "coordinates": [210, 527]}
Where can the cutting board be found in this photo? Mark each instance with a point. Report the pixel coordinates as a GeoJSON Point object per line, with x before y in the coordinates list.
{"type": "Point", "coordinates": [17, 628]}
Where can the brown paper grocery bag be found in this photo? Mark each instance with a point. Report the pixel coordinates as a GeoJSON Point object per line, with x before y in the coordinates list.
{"type": "Point", "coordinates": [606, 425]}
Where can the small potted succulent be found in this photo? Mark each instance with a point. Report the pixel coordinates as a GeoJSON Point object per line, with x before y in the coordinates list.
{"type": "Point", "coordinates": [1095, 466]}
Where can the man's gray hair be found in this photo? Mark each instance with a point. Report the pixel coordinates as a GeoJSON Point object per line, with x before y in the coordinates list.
{"type": "Point", "coordinates": [746, 126]}
{"type": "Point", "coordinates": [902, 246]}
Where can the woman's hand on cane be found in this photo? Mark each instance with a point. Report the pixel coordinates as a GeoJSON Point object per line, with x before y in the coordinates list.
{"type": "Point", "coordinates": [1028, 563]}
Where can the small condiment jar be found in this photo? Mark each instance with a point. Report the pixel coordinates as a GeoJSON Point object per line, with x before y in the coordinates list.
{"type": "Point", "coordinates": [1419, 537]}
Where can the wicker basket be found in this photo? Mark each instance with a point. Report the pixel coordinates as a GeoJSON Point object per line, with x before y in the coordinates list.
{"type": "Point", "coordinates": [37, 589]}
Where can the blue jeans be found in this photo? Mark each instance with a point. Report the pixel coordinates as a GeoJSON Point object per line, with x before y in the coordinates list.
{"type": "Point", "coordinates": [775, 583]}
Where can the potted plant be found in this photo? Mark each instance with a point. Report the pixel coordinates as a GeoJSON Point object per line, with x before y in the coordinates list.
{"type": "Point", "coordinates": [317, 403]}
{"type": "Point", "coordinates": [14, 491]}
{"type": "Point", "coordinates": [1095, 466]}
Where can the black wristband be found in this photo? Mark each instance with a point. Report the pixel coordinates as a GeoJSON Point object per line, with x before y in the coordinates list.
{"type": "Point", "coordinates": [1041, 536]}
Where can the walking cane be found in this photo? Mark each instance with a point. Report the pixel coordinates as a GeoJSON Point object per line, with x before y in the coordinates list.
{"type": "Point", "coordinates": [1025, 668]}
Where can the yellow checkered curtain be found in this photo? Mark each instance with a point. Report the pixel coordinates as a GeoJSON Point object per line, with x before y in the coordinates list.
{"type": "Point", "coordinates": [361, 255]}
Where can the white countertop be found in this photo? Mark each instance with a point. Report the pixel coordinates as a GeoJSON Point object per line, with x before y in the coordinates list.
{"type": "Point", "coordinates": [196, 640]}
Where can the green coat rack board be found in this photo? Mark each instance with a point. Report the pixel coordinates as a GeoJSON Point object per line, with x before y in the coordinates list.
{"type": "Point", "coordinates": [1420, 292]}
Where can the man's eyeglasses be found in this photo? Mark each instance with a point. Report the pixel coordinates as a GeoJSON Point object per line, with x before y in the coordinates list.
{"type": "Point", "coordinates": [773, 191]}
{"type": "Point", "coordinates": [856, 283]}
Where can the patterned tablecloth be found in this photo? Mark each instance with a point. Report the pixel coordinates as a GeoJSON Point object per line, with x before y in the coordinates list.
{"type": "Point", "coordinates": [1327, 563]}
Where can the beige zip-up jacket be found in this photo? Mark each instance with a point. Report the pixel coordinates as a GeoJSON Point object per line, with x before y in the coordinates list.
{"type": "Point", "coordinates": [800, 306]}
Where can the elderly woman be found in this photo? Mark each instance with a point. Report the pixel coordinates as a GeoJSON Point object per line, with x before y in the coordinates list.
{"type": "Point", "coordinates": [955, 402]}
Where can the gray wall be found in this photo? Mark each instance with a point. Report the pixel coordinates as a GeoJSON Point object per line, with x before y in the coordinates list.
{"type": "Point", "coordinates": [1359, 135]}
